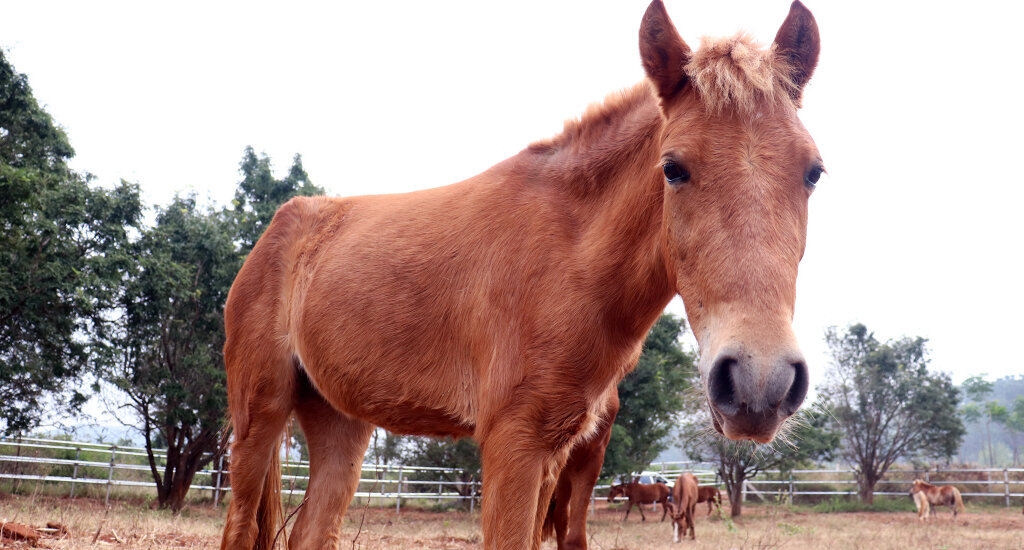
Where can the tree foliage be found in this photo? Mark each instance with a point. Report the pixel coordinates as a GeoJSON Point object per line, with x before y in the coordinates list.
{"type": "Point", "coordinates": [260, 194]}
{"type": "Point", "coordinates": [650, 397]}
{"type": "Point", "coordinates": [988, 411]}
{"type": "Point", "coordinates": [888, 404]}
{"type": "Point", "coordinates": [172, 368]}
{"type": "Point", "coordinates": [807, 439]}
{"type": "Point", "coordinates": [62, 255]}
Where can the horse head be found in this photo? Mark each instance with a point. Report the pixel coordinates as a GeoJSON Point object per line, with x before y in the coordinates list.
{"type": "Point", "coordinates": [738, 170]}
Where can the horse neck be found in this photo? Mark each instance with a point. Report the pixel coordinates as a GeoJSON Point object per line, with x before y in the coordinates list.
{"type": "Point", "coordinates": [606, 166]}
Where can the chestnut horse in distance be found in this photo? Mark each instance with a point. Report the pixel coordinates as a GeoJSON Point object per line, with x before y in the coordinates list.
{"type": "Point", "coordinates": [711, 495]}
{"type": "Point", "coordinates": [927, 495]}
{"type": "Point", "coordinates": [639, 494]}
{"type": "Point", "coordinates": [507, 307]}
{"type": "Point", "coordinates": [684, 493]}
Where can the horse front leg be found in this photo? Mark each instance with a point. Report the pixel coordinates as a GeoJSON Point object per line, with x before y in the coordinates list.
{"type": "Point", "coordinates": [640, 506]}
{"type": "Point", "coordinates": [519, 478]}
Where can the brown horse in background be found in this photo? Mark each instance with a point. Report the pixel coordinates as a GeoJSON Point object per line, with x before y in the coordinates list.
{"type": "Point", "coordinates": [640, 494]}
{"type": "Point", "coordinates": [684, 493]}
{"type": "Point", "coordinates": [508, 306]}
{"type": "Point", "coordinates": [711, 495]}
{"type": "Point", "coordinates": [567, 514]}
{"type": "Point", "coordinates": [927, 495]}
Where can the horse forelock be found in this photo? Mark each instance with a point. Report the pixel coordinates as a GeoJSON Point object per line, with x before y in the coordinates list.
{"type": "Point", "coordinates": [736, 72]}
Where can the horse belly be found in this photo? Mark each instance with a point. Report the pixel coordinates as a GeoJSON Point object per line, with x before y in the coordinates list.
{"type": "Point", "coordinates": [401, 404]}
{"type": "Point", "coordinates": [374, 353]}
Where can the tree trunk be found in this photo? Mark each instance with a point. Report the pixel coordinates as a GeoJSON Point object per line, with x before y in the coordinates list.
{"type": "Point", "coordinates": [176, 497]}
{"type": "Point", "coordinates": [866, 489]}
{"type": "Point", "coordinates": [735, 490]}
{"type": "Point", "coordinates": [988, 435]}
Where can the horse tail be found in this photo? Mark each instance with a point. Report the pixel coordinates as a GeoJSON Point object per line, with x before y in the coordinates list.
{"type": "Point", "coordinates": [269, 511]}
{"type": "Point", "coordinates": [959, 501]}
{"type": "Point", "coordinates": [549, 522]}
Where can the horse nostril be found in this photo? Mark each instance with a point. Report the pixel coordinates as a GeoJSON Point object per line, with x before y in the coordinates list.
{"type": "Point", "coordinates": [721, 389]}
{"type": "Point", "coordinates": [798, 390]}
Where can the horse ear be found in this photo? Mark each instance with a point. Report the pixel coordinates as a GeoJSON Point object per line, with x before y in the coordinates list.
{"type": "Point", "coordinates": [663, 52]}
{"type": "Point", "coordinates": [798, 42]}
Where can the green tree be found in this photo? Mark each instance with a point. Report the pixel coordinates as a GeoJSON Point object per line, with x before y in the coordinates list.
{"type": "Point", "coordinates": [172, 368]}
{"type": "Point", "coordinates": [62, 255]}
{"type": "Point", "coordinates": [976, 389]}
{"type": "Point", "coordinates": [1014, 424]}
{"type": "Point", "coordinates": [650, 399]}
{"type": "Point", "coordinates": [807, 438]}
{"type": "Point", "coordinates": [888, 404]}
{"type": "Point", "coordinates": [260, 194]}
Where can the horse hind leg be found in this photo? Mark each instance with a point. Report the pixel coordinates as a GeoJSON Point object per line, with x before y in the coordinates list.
{"type": "Point", "coordinates": [549, 482]}
{"type": "Point", "coordinates": [255, 472]}
{"type": "Point", "coordinates": [336, 443]}
{"type": "Point", "coordinates": [559, 511]}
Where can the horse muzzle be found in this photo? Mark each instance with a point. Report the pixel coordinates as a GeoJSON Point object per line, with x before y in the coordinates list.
{"type": "Point", "coordinates": [751, 399]}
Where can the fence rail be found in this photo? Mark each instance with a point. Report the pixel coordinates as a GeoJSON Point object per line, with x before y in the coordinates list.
{"type": "Point", "coordinates": [92, 464]}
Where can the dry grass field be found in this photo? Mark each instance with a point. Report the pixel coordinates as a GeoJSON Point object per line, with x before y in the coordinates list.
{"type": "Point", "coordinates": [136, 526]}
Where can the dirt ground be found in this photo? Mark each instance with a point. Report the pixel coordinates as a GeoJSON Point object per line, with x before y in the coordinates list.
{"type": "Point", "coordinates": [135, 526]}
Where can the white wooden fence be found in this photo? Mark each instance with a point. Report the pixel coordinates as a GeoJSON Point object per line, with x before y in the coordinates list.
{"type": "Point", "coordinates": [75, 463]}
{"type": "Point", "coordinates": [121, 466]}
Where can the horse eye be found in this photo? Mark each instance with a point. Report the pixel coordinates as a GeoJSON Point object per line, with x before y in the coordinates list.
{"type": "Point", "coordinates": [675, 173]}
{"type": "Point", "coordinates": [811, 179]}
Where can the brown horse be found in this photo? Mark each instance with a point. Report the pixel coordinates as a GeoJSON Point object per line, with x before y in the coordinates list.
{"type": "Point", "coordinates": [927, 495]}
{"type": "Point", "coordinates": [507, 307]}
{"type": "Point", "coordinates": [640, 494]}
{"type": "Point", "coordinates": [685, 494]}
{"type": "Point", "coordinates": [567, 514]}
{"type": "Point", "coordinates": [711, 495]}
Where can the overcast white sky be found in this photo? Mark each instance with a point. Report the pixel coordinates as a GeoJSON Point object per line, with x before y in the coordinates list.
{"type": "Point", "coordinates": [916, 108]}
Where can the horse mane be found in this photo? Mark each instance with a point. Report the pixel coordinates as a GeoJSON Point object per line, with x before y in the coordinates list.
{"type": "Point", "coordinates": [737, 72]}
{"type": "Point", "coordinates": [597, 119]}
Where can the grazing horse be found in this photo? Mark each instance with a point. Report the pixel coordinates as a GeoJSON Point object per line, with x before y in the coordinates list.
{"type": "Point", "coordinates": [567, 514]}
{"type": "Point", "coordinates": [507, 307]}
{"type": "Point", "coordinates": [927, 495]}
{"type": "Point", "coordinates": [640, 494]}
{"type": "Point", "coordinates": [685, 494]}
{"type": "Point", "coordinates": [711, 495]}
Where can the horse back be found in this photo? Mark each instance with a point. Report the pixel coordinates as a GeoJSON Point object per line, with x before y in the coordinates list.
{"type": "Point", "coordinates": [685, 491]}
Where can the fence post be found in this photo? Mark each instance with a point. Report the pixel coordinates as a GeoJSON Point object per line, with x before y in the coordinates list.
{"type": "Point", "coordinates": [74, 473]}
{"type": "Point", "coordinates": [440, 491]}
{"type": "Point", "coordinates": [1006, 486]}
{"type": "Point", "coordinates": [593, 502]}
{"type": "Point", "coordinates": [472, 494]}
{"type": "Point", "coordinates": [216, 485]}
{"type": "Point", "coordinates": [398, 494]}
{"type": "Point", "coordinates": [110, 473]}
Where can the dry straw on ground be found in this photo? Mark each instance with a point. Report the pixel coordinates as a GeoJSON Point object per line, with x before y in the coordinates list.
{"type": "Point", "coordinates": [136, 526]}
